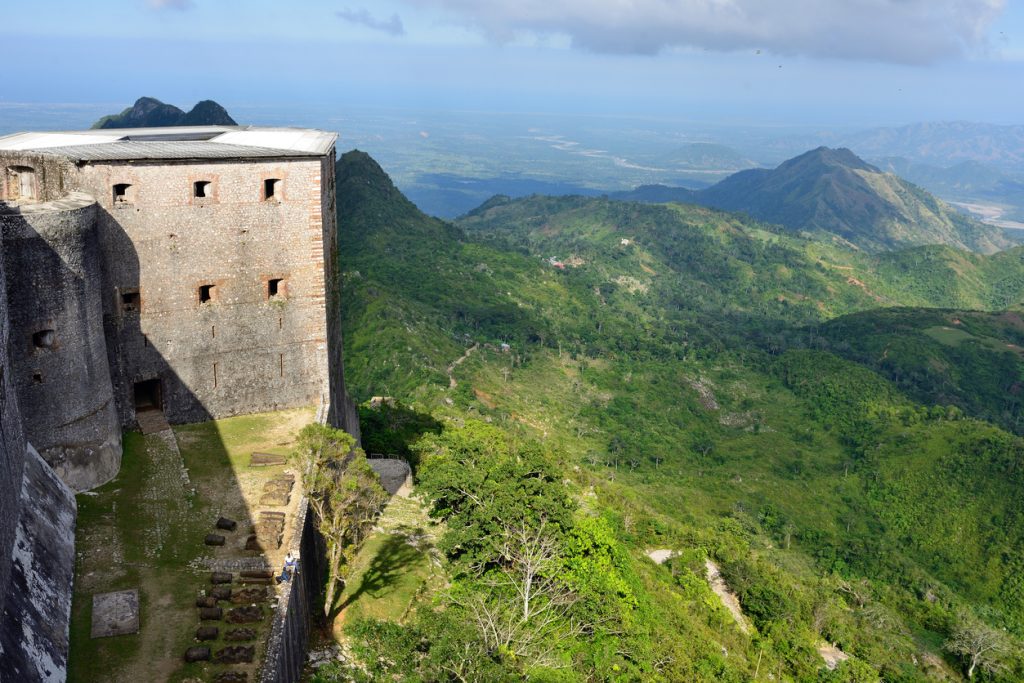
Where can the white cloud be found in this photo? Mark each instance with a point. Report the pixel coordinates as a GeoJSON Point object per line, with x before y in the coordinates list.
{"type": "Point", "coordinates": [362, 17]}
{"type": "Point", "coordinates": [902, 31]}
{"type": "Point", "coordinates": [180, 5]}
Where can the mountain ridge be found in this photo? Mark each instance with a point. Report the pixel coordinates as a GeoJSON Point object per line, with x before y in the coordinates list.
{"type": "Point", "coordinates": [149, 112]}
{"type": "Point", "coordinates": [835, 194]}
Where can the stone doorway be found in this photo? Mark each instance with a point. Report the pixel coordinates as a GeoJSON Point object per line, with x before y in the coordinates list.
{"type": "Point", "coordinates": [149, 413]}
{"type": "Point", "coordinates": [148, 395]}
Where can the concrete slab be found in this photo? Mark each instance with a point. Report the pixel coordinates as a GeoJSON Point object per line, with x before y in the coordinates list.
{"type": "Point", "coordinates": [115, 614]}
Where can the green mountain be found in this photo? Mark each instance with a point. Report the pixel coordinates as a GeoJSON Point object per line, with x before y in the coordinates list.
{"type": "Point", "coordinates": [636, 377]}
{"type": "Point", "coordinates": [148, 112]}
{"type": "Point", "coordinates": [833, 194]}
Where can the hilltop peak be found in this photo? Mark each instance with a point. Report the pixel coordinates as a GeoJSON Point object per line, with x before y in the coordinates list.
{"type": "Point", "coordinates": [835, 193]}
{"type": "Point", "coordinates": [829, 157]}
{"type": "Point", "coordinates": [149, 112]}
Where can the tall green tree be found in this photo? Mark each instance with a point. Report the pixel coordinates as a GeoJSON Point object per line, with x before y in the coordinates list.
{"type": "Point", "coordinates": [344, 494]}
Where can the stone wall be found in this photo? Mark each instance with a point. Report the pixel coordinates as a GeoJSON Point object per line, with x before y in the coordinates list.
{"type": "Point", "coordinates": [289, 634]}
{"type": "Point", "coordinates": [12, 450]}
{"type": "Point", "coordinates": [58, 351]}
{"type": "Point", "coordinates": [49, 176]}
{"type": "Point", "coordinates": [242, 350]}
{"type": "Point", "coordinates": [343, 412]}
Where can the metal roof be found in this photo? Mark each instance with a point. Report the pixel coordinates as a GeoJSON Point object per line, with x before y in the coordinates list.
{"type": "Point", "coordinates": [180, 142]}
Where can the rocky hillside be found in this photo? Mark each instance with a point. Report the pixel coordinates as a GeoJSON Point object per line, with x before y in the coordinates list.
{"type": "Point", "coordinates": [149, 112]}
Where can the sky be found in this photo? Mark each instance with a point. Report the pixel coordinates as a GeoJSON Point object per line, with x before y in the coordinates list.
{"type": "Point", "coordinates": [842, 62]}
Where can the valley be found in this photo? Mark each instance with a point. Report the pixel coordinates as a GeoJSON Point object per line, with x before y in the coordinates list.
{"type": "Point", "coordinates": [834, 429]}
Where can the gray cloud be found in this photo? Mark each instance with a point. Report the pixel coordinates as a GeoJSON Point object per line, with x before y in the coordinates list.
{"type": "Point", "coordinates": [901, 31]}
{"type": "Point", "coordinates": [362, 17]}
{"type": "Point", "coordinates": [180, 5]}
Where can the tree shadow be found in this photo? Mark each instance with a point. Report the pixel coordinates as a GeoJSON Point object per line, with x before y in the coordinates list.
{"type": "Point", "coordinates": [389, 427]}
{"type": "Point", "coordinates": [384, 571]}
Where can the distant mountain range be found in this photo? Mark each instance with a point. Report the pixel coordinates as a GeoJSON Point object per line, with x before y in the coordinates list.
{"type": "Point", "coordinates": [944, 143]}
{"type": "Point", "coordinates": [149, 112]}
{"type": "Point", "coordinates": [833, 192]}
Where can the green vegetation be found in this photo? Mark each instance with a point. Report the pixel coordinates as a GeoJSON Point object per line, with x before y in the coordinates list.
{"type": "Point", "coordinates": [344, 496]}
{"type": "Point", "coordinates": [701, 383]}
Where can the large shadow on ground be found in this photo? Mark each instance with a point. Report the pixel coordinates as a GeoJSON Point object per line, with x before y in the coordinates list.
{"type": "Point", "coordinates": [147, 528]}
{"type": "Point", "coordinates": [390, 427]}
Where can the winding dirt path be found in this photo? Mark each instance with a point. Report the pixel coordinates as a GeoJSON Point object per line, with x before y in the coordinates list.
{"type": "Point", "coordinates": [454, 364]}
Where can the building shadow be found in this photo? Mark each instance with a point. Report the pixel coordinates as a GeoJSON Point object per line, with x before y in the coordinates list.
{"type": "Point", "coordinates": [98, 396]}
{"type": "Point", "coordinates": [390, 427]}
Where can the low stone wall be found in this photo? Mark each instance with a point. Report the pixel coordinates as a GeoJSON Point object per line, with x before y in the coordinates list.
{"type": "Point", "coordinates": [289, 635]}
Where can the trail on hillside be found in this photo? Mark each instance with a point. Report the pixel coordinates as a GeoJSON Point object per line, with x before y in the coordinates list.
{"type": "Point", "coordinates": [451, 367]}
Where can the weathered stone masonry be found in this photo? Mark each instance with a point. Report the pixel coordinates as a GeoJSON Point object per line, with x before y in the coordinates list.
{"type": "Point", "coordinates": [192, 270]}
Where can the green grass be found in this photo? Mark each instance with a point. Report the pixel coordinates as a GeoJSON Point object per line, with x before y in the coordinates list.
{"type": "Point", "coordinates": [135, 533]}
{"type": "Point", "coordinates": [948, 335]}
{"type": "Point", "coordinates": [389, 573]}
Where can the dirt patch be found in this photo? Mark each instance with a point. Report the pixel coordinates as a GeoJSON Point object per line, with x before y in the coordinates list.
{"type": "Point", "coordinates": [647, 269]}
{"type": "Point", "coordinates": [705, 393]}
{"type": "Point", "coordinates": [832, 655]}
{"type": "Point", "coordinates": [484, 398]}
{"type": "Point", "coordinates": [631, 284]}
{"type": "Point", "coordinates": [857, 283]}
{"type": "Point", "coordinates": [661, 555]}
{"type": "Point", "coordinates": [725, 594]}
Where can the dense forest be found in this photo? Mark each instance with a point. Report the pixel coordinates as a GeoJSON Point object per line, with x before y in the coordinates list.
{"type": "Point", "coordinates": [653, 401]}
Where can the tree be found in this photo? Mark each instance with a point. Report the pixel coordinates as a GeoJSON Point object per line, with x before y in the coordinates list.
{"type": "Point", "coordinates": [525, 613]}
{"type": "Point", "coordinates": [344, 494]}
{"type": "Point", "coordinates": [980, 645]}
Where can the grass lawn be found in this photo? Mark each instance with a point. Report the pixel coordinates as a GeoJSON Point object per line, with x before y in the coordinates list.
{"type": "Point", "coordinates": [145, 530]}
{"type": "Point", "coordinates": [395, 566]}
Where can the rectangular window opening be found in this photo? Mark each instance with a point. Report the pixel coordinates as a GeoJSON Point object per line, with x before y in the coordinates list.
{"type": "Point", "coordinates": [201, 188]}
{"type": "Point", "coordinates": [131, 300]}
{"type": "Point", "coordinates": [121, 192]}
{"type": "Point", "coordinates": [275, 287]}
{"type": "Point", "coordinates": [214, 375]}
{"type": "Point", "coordinates": [37, 378]}
{"type": "Point", "coordinates": [270, 187]}
{"type": "Point", "coordinates": [206, 293]}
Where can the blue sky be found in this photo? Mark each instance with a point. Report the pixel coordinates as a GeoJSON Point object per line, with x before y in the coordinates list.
{"type": "Point", "coordinates": [779, 61]}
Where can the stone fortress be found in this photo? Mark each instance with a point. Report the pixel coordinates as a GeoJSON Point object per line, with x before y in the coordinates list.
{"type": "Point", "coordinates": [183, 274]}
